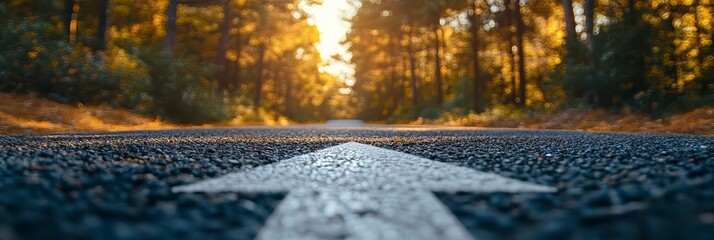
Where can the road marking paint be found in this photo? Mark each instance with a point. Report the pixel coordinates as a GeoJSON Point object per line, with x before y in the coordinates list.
{"type": "Point", "coordinates": [358, 191]}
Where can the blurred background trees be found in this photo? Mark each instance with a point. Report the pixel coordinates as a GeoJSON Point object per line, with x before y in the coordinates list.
{"type": "Point", "coordinates": [196, 61]}
{"type": "Point", "coordinates": [189, 61]}
{"type": "Point", "coordinates": [648, 55]}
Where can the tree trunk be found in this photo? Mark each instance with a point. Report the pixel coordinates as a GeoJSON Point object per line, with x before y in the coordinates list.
{"type": "Point", "coordinates": [259, 78]}
{"type": "Point", "coordinates": [289, 105]}
{"type": "Point", "coordinates": [277, 77]}
{"type": "Point", "coordinates": [393, 79]}
{"type": "Point", "coordinates": [171, 12]}
{"type": "Point", "coordinates": [512, 63]}
{"type": "Point", "coordinates": [221, 61]}
{"type": "Point", "coordinates": [571, 38]}
{"type": "Point", "coordinates": [405, 80]}
{"type": "Point", "coordinates": [239, 51]}
{"type": "Point", "coordinates": [638, 54]}
{"type": "Point", "coordinates": [589, 10]}
{"type": "Point", "coordinates": [477, 83]}
{"type": "Point", "coordinates": [698, 33]}
{"type": "Point", "coordinates": [700, 47]}
{"type": "Point", "coordinates": [437, 67]}
{"type": "Point", "coordinates": [569, 19]}
{"type": "Point", "coordinates": [101, 38]}
{"type": "Point", "coordinates": [511, 54]}
{"type": "Point", "coordinates": [67, 13]}
{"type": "Point", "coordinates": [520, 31]}
{"type": "Point", "coordinates": [73, 22]}
{"type": "Point", "coordinates": [632, 13]}
{"type": "Point", "coordinates": [412, 67]}
{"type": "Point", "coordinates": [673, 58]}
{"type": "Point", "coordinates": [444, 49]}
{"type": "Point", "coordinates": [590, 25]}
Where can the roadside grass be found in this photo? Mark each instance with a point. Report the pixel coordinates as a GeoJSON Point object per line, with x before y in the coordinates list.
{"type": "Point", "coordinates": [30, 114]}
{"type": "Point", "coordinates": [699, 121]}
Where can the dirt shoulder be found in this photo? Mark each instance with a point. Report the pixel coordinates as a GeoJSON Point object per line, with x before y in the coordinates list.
{"type": "Point", "coordinates": [29, 114]}
{"type": "Point", "coordinates": [699, 121]}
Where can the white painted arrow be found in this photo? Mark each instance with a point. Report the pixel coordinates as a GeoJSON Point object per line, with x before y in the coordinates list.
{"type": "Point", "coordinates": [357, 191]}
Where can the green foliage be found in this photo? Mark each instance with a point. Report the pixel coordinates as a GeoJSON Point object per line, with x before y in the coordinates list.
{"type": "Point", "coordinates": [183, 91]}
{"type": "Point", "coordinates": [638, 64]}
{"type": "Point", "coordinates": [70, 74]}
{"type": "Point", "coordinates": [173, 88]}
{"type": "Point", "coordinates": [462, 99]}
{"type": "Point", "coordinates": [653, 56]}
{"type": "Point", "coordinates": [52, 49]}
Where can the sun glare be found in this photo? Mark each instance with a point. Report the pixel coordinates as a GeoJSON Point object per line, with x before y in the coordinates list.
{"type": "Point", "coordinates": [331, 17]}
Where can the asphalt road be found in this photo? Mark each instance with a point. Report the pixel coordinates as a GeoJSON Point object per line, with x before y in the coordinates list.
{"type": "Point", "coordinates": [118, 185]}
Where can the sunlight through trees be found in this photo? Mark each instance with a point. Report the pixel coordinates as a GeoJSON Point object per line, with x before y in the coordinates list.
{"type": "Point", "coordinates": [197, 61]}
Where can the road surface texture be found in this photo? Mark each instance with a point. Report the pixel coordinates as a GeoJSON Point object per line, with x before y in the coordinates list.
{"type": "Point", "coordinates": [118, 185]}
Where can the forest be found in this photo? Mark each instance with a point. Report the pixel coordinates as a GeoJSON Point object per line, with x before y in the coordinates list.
{"type": "Point", "coordinates": [202, 61]}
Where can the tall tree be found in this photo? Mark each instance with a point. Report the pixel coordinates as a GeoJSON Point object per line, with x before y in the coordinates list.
{"type": "Point", "coordinates": [509, 35]}
{"type": "Point", "coordinates": [258, 85]}
{"type": "Point", "coordinates": [477, 83]}
{"type": "Point", "coordinates": [412, 63]}
{"type": "Point", "coordinates": [394, 82]}
{"type": "Point", "coordinates": [73, 23]}
{"type": "Point", "coordinates": [571, 38]}
{"type": "Point", "coordinates": [238, 52]}
{"type": "Point", "coordinates": [437, 66]}
{"type": "Point", "coordinates": [221, 62]}
{"type": "Point", "coordinates": [171, 12]}
{"type": "Point", "coordinates": [520, 31]}
{"type": "Point", "coordinates": [68, 16]}
{"type": "Point", "coordinates": [589, 10]}
{"type": "Point", "coordinates": [431, 14]}
{"type": "Point", "coordinates": [101, 37]}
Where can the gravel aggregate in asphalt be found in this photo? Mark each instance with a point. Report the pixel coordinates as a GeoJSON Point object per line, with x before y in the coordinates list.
{"type": "Point", "coordinates": [117, 185]}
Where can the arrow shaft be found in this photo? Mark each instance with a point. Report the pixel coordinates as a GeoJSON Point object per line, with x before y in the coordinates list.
{"type": "Point", "coordinates": [357, 191]}
{"type": "Point", "coordinates": [336, 214]}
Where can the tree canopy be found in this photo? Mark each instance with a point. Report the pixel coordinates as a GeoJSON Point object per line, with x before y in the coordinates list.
{"type": "Point", "coordinates": [417, 58]}
{"type": "Point", "coordinates": [197, 61]}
